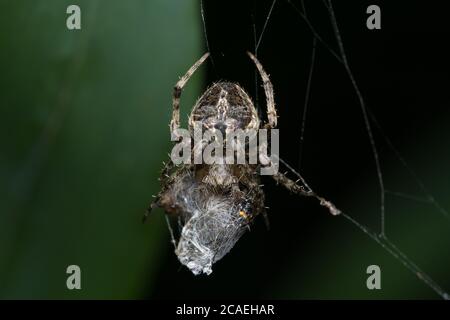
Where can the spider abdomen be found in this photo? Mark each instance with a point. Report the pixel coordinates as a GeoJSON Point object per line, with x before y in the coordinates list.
{"type": "Point", "coordinates": [224, 106]}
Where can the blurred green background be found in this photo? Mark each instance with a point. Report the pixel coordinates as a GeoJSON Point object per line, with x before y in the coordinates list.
{"type": "Point", "coordinates": [84, 130]}
{"type": "Point", "coordinates": [84, 126]}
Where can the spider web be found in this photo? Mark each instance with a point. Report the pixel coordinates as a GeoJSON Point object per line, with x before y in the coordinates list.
{"type": "Point", "coordinates": [370, 123]}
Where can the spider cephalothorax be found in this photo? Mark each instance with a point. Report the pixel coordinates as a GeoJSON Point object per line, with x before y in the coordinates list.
{"type": "Point", "coordinates": [216, 203]}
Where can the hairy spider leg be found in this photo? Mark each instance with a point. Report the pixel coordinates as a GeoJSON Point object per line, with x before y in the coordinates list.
{"type": "Point", "coordinates": [268, 89]}
{"type": "Point", "coordinates": [175, 122]}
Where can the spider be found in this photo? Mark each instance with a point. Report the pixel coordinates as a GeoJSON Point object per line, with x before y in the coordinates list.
{"type": "Point", "coordinates": [216, 203]}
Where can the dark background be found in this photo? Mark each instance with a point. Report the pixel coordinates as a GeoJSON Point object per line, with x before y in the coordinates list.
{"type": "Point", "coordinates": [83, 133]}
{"type": "Point", "coordinates": [402, 71]}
